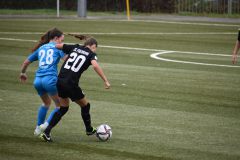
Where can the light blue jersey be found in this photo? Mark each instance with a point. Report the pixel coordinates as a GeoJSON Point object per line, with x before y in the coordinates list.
{"type": "Point", "coordinates": [48, 56]}
{"type": "Point", "coordinates": [46, 75]}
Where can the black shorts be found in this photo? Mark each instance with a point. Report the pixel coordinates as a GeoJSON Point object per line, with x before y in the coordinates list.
{"type": "Point", "coordinates": [72, 92]}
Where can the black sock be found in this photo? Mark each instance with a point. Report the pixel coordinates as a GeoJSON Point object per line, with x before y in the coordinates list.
{"type": "Point", "coordinates": [86, 117]}
{"type": "Point", "coordinates": [56, 118]}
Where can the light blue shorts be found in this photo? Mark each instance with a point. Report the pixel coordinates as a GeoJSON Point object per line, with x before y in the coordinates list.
{"type": "Point", "coordinates": [46, 84]}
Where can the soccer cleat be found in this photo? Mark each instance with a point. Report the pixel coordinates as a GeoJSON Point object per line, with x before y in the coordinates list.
{"type": "Point", "coordinates": [91, 131]}
{"type": "Point", "coordinates": [45, 137]}
{"type": "Point", "coordinates": [43, 126]}
{"type": "Point", "coordinates": [37, 131]}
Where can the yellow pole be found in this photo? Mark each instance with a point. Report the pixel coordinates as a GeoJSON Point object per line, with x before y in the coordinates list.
{"type": "Point", "coordinates": [128, 10]}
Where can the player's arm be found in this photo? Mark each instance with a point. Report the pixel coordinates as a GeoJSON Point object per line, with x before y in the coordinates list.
{"type": "Point", "coordinates": [29, 60]}
{"type": "Point", "coordinates": [99, 71]}
{"type": "Point", "coordinates": [236, 49]}
{"type": "Point", "coordinates": [65, 57]}
{"type": "Point", "coordinates": [65, 47]}
{"type": "Point", "coordinates": [23, 75]}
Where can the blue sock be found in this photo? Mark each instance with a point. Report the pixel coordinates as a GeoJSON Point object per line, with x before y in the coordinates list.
{"type": "Point", "coordinates": [42, 112]}
{"type": "Point", "coordinates": [51, 115]}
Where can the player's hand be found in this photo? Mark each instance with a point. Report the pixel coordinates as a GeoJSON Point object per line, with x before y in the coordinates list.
{"type": "Point", "coordinates": [107, 85]}
{"type": "Point", "coordinates": [234, 58]}
{"type": "Point", "coordinates": [23, 77]}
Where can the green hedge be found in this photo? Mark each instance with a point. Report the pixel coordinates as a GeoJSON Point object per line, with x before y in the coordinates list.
{"type": "Point", "coordinates": [93, 5]}
{"type": "Point", "coordinates": [27, 4]}
{"type": "Point", "coordinates": [136, 5]}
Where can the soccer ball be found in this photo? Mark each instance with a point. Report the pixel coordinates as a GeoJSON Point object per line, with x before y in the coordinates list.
{"type": "Point", "coordinates": [104, 132]}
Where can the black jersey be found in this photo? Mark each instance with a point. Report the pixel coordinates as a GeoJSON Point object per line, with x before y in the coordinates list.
{"type": "Point", "coordinates": [79, 59]}
{"type": "Point", "coordinates": [239, 34]}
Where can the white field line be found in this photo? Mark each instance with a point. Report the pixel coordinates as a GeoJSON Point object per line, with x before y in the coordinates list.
{"type": "Point", "coordinates": [147, 21]}
{"type": "Point", "coordinates": [166, 33]}
{"type": "Point", "coordinates": [201, 53]}
{"type": "Point", "coordinates": [154, 55]}
{"type": "Point", "coordinates": [131, 48]}
{"type": "Point", "coordinates": [130, 33]}
{"type": "Point", "coordinates": [103, 46]}
{"type": "Point", "coordinates": [22, 33]}
{"type": "Point", "coordinates": [15, 39]}
{"type": "Point", "coordinates": [189, 23]}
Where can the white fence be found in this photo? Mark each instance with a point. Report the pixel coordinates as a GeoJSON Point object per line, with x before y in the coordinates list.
{"type": "Point", "coordinates": [208, 6]}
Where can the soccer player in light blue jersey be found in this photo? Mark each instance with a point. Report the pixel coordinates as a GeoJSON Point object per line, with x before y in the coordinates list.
{"type": "Point", "coordinates": [48, 57]}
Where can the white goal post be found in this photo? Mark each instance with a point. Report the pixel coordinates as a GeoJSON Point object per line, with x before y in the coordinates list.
{"type": "Point", "coordinates": [82, 8]}
{"type": "Point", "coordinates": [58, 8]}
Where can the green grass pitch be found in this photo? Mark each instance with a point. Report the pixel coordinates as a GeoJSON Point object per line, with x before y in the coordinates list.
{"type": "Point", "coordinates": [158, 110]}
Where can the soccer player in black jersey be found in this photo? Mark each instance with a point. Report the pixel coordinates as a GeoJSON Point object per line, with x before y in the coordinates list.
{"type": "Point", "coordinates": [236, 48]}
{"type": "Point", "coordinates": [79, 59]}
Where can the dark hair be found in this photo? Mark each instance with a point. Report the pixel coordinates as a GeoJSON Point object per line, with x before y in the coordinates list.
{"type": "Point", "coordinates": [90, 41]}
{"type": "Point", "coordinates": [49, 35]}
{"type": "Point", "coordinates": [78, 36]}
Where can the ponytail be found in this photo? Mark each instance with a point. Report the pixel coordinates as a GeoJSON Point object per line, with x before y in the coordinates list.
{"type": "Point", "coordinates": [79, 36]}
{"type": "Point", "coordinates": [44, 40]}
{"type": "Point", "coordinates": [49, 35]}
{"type": "Point", "coordinates": [88, 40]}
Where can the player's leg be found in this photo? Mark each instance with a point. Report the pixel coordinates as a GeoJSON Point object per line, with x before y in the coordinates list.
{"type": "Point", "coordinates": [55, 98]}
{"type": "Point", "coordinates": [49, 83]}
{"type": "Point", "coordinates": [64, 106]}
{"type": "Point", "coordinates": [56, 118]}
{"type": "Point", "coordinates": [85, 113]}
{"type": "Point", "coordinates": [42, 111]}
